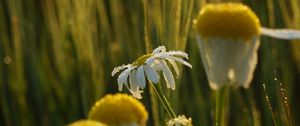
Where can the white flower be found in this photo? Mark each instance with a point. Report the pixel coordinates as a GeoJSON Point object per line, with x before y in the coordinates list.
{"type": "Point", "coordinates": [228, 38]}
{"type": "Point", "coordinates": [181, 120]}
{"type": "Point", "coordinates": [148, 67]}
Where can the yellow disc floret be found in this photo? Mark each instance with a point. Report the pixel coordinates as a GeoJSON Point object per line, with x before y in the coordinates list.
{"type": "Point", "coordinates": [119, 109]}
{"type": "Point", "coordinates": [227, 20]}
{"type": "Point", "coordinates": [87, 123]}
{"type": "Point", "coordinates": [141, 60]}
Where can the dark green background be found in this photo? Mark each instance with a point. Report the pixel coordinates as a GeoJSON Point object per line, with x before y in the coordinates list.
{"type": "Point", "coordinates": [56, 57]}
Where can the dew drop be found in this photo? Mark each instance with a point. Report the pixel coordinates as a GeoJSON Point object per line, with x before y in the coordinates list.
{"type": "Point", "coordinates": [7, 60]}
{"type": "Point", "coordinates": [195, 21]}
{"type": "Point", "coordinates": [264, 86]}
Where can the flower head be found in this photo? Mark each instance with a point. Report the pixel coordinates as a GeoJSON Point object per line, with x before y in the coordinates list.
{"type": "Point", "coordinates": [148, 67]}
{"type": "Point", "coordinates": [119, 110]}
{"type": "Point", "coordinates": [181, 120]}
{"type": "Point", "coordinates": [227, 20]}
{"type": "Point", "coordinates": [228, 37]}
{"type": "Point", "coordinates": [87, 123]}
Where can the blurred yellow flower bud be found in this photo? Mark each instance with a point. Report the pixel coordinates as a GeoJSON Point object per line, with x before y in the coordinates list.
{"type": "Point", "coordinates": [119, 110]}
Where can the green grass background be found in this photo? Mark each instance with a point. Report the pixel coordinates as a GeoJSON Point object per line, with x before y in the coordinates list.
{"type": "Point", "coordinates": [56, 57]}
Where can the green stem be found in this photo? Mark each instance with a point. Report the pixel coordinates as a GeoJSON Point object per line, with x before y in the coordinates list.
{"type": "Point", "coordinates": [154, 107]}
{"type": "Point", "coordinates": [220, 106]}
{"type": "Point", "coordinates": [163, 99]}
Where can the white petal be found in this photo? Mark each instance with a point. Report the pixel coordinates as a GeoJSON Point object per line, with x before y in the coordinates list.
{"type": "Point", "coordinates": [123, 78]}
{"type": "Point", "coordinates": [162, 55]}
{"type": "Point", "coordinates": [120, 86]}
{"type": "Point", "coordinates": [136, 94]}
{"type": "Point", "coordinates": [168, 75]}
{"type": "Point", "coordinates": [156, 65]}
{"type": "Point", "coordinates": [177, 53]}
{"type": "Point", "coordinates": [159, 49]}
{"type": "Point", "coordinates": [247, 73]}
{"type": "Point", "coordinates": [281, 33]}
{"type": "Point", "coordinates": [181, 61]}
{"type": "Point", "coordinates": [117, 69]}
{"type": "Point", "coordinates": [173, 63]}
{"type": "Point", "coordinates": [126, 85]}
{"type": "Point", "coordinates": [134, 88]}
{"type": "Point", "coordinates": [227, 60]}
{"type": "Point", "coordinates": [132, 79]}
{"type": "Point", "coordinates": [140, 75]}
{"type": "Point", "coordinates": [151, 74]}
{"type": "Point", "coordinates": [150, 60]}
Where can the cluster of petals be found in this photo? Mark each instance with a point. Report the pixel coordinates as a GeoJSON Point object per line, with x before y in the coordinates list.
{"type": "Point", "coordinates": [149, 66]}
{"type": "Point", "coordinates": [228, 36]}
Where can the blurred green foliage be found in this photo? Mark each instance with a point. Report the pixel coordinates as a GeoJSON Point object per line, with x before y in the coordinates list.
{"type": "Point", "coordinates": [57, 55]}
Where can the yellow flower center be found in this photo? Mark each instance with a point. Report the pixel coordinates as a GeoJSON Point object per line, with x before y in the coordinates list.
{"type": "Point", "coordinates": [141, 60]}
{"type": "Point", "coordinates": [87, 123]}
{"type": "Point", "coordinates": [227, 20]}
{"type": "Point", "coordinates": [119, 109]}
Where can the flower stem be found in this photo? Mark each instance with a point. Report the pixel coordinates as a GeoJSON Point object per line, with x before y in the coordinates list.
{"type": "Point", "coordinates": [163, 99]}
{"type": "Point", "coordinates": [220, 106]}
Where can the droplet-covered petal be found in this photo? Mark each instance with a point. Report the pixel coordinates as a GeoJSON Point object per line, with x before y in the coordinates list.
{"type": "Point", "coordinates": [120, 87]}
{"type": "Point", "coordinates": [140, 75]}
{"type": "Point", "coordinates": [168, 75]}
{"type": "Point", "coordinates": [117, 69]}
{"type": "Point", "coordinates": [181, 61]}
{"type": "Point", "coordinates": [134, 88]}
{"type": "Point", "coordinates": [159, 49]}
{"type": "Point", "coordinates": [123, 77]}
{"type": "Point", "coordinates": [150, 60]}
{"type": "Point", "coordinates": [173, 63]}
{"type": "Point", "coordinates": [156, 65]}
{"type": "Point", "coordinates": [136, 94]}
{"type": "Point", "coordinates": [151, 74]}
{"type": "Point", "coordinates": [177, 53]}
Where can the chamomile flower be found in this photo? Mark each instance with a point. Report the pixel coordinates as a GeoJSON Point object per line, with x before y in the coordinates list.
{"type": "Point", "coordinates": [87, 123]}
{"type": "Point", "coordinates": [228, 37]}
{"type": "Point", "coordinates": [180, 120]}
{"type": "Point", "coordinates": [148, 67]}
{"type": "Point", "coordinates": [119, 110]}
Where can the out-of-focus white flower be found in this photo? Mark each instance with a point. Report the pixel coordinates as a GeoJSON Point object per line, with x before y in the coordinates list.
{"type": "Point", "coordinates": [148, 66]}
{"type": "Point", "coordinates": [181, 120]}
{"type": "Point", "coordinates": [228, 37]}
